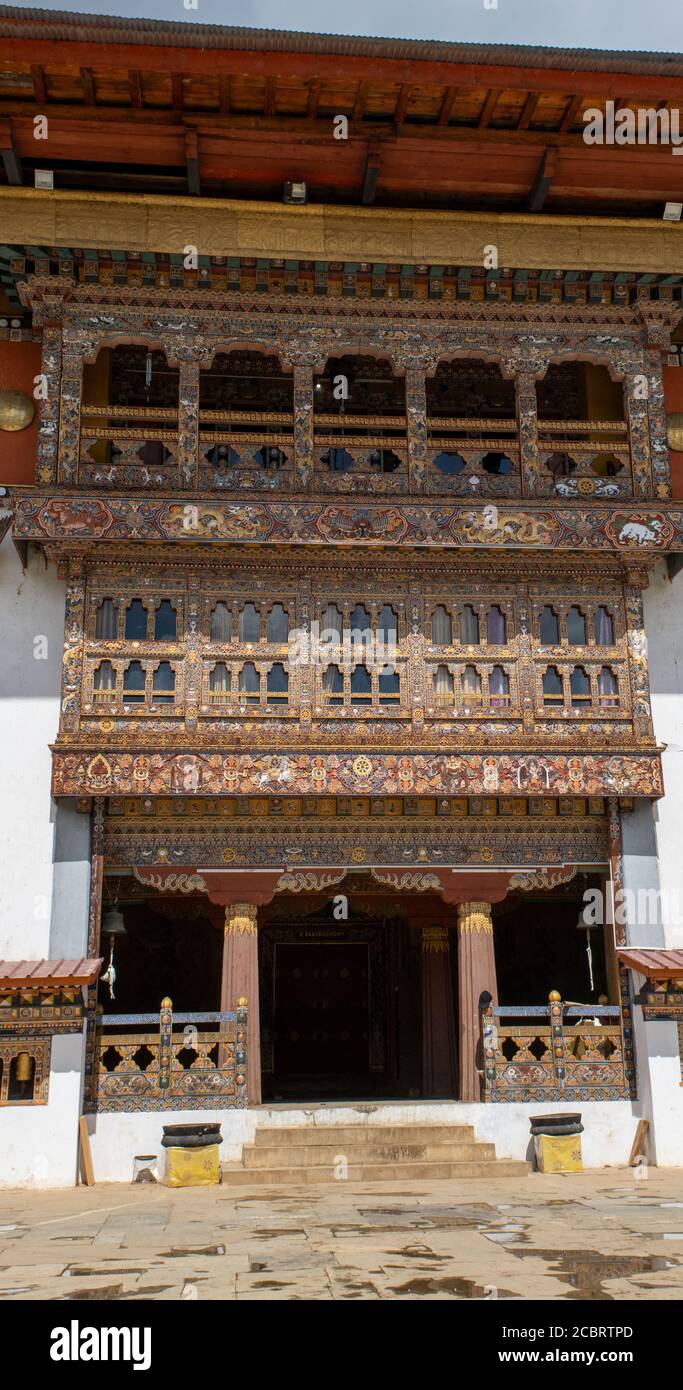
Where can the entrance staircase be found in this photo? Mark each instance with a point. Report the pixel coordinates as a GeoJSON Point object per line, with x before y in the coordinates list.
{"type": "Point", "coordinates": [325, 1153]}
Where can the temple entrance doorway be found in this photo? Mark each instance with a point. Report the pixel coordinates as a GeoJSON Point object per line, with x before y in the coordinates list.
{"type": "Point", "coordinates": [340, 1008]}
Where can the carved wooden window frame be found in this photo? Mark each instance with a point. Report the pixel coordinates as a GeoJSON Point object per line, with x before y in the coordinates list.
{"type": "Point", "coordinates": [40, 1048]}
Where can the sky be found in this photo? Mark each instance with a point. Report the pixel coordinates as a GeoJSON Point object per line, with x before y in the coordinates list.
{"type": "Point", "coordinates": [628, 24]}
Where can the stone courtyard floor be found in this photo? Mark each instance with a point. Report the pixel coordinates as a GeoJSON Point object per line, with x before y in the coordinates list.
{"type": "Point", "coordinates": [595, 1235]}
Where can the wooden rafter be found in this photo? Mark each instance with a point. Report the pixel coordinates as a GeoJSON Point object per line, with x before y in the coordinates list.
{"type": "Point", "coordinates": [88, 84]}
{"type": "Point", "coordinates": [39, 83]}
{"type": "Point", "coordinates": [10, 156]}
{"type": "Point", "coordinates": [177, 90]}
{"type": "Point", "coordinates": [224, 91]}
{"type": "Point", "coordinates": [313, 98]}
{"type": "Point", "coordinates": [449, 99]}
{"type": "Point", "coordinates": [402, 103]}
{"type": "Point", "coordinates": [544, 177]}
{"type": "Point", "coordinates": [573, 107]}
{"type": "Point", "coordinates": [371, 174]}
{"type": "Point", "coordinates": [488, 108]}
{"type": "Point", "coordinates": [135, 87]}
{"type": "Point", "coordinates": [359, 103]}
{"type": "Point", "coordinates": [528, 110]}
{"type": "Point", "coordinates": [192, 162]}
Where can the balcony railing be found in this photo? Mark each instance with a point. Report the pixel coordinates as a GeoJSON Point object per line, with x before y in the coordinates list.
{"type": "Point", "coordinates": [138, 447]}
{"type": "Point", "coordinates": [556, 1051]}
{"type": "Point", "coordinates": [190, 1061]}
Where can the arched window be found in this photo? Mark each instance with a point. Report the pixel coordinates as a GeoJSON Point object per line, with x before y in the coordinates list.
{"type": "Point", "coordinates": [387, 626]}
{"type": "Point", "coordinates": [553, 691]}
{"type": "Point", "coordinates": [499, 687]}
{"type": "Point", "coordinates": [277, 684]}
{"type": "Point", "coordinates": [496, 633]}
{"type": "Point", "coordinates": [361, 626]}
{"type": "Point", "coordinates": [443, 686]}
{"type": "Point", "coordinates": [221, 623]}
{"type": "Point", "coordinates": [278, 624]}
{"type": "Point", "coordinates": [604, 627]}
{"type": "Point", "coordinates": [549, 627]}
{"type": "Point", "coordinates": [470, 686]}
{"type": "Point", "coordinates": [165, 622]}
{"type": "Point", "coordinates": [249, 684]}
{"type": "Point", "coordinates": [469, 626]}
{"type": "Point", "coordinates": [136, 621]}
{"type": "Point", "coordinates": [219, 683]}
{"type": "Point", "coordinates": [163, 684]}
{"type": "Point", "coordinates": [105, 682]}
{"type": "Point", "coordinates": [333, 685]}
{"type": "Point", "coordinates": [580, 687]}
{"type": "Point", "coordinates": [134, 684]}
{"type": "Point", "coordinates": [389, 686]}
{"type": "Point", "coordinates": [106, 621]}
{"type": "Point", "coordinates": [576, 627]}
{"type": "Point", "coordinates": [442, 627]}
{"type": "Point", "coordinates": [332, 625]}
{"type": "Point", "coordinates": [250, 623]}
{"type": "Point", "coordinates": [361, 685]}
{"type": "Point", "coordinates": [608, 688]}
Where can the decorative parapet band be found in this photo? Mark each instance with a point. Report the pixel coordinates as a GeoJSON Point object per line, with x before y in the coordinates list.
{"type": "Point", "coordinates": [80, 772]}
{"type": "Point", "coordinates": [80, 518]}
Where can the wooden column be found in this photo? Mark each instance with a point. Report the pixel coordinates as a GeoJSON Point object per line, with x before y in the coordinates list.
{"type": "Point", "coordinates": [527, 432]}
{"type": "Point", "coordinates": [476, 972]}
{"type": "Point", "coordinates": [635, 395]}
{"type": "Point", "coordinates": [239, 980]}
{"type": "Point", "coordinates": [416, 427]}
{"type": "Point", "coordinates": [47, 452]}
{"type": "Point", "coordinates": [188, 424]}
{"type": "Point", "coordinates": [439, 1071]}
{"type": "Point", "coordinates": [303, 425]}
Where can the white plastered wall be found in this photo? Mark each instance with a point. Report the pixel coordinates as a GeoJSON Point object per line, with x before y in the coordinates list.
{"type": "Point", "coordinates": [38, 1143]}
{"type": "Point", "coordinates": [658, 1042]}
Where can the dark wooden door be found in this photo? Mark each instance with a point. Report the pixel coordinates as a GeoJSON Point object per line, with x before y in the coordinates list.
{"type": "Point", "coordinates": [321, 1021]}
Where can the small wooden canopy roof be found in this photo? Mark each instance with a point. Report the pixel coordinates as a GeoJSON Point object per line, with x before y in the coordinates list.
{"type": "Point", "coordinates": [654, 964]}
{"type": "Point", "coordinates": [42, 973]}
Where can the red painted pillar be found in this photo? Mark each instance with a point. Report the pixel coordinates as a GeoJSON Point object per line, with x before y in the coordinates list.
{"type": "Point", "coordinates": [439, 1072]}
{"type": "Point", "coordinates": [239, 980]}
{"type": "Point", "coordinates": [476, 972]}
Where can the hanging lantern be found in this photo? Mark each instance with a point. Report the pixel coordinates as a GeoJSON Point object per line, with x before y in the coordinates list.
{"type": "Point", "coordinates": [148, 369]}
{"type": "Point", "coordinates": [113, 927]}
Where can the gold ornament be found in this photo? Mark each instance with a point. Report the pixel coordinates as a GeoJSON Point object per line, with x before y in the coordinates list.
{"type": "Point", "coordinates": [241, 919]}
{"type": "Point", "coordinates": [674, 430]}
{"type": "Point", "coordinates": [475, 916]}
{"type": "Point", "coordinates": [16, 411]}
{"type": "Point", "coordinates": [362, 766]}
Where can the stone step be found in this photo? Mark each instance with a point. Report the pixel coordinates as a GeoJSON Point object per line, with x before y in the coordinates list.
{"type": "Point", "coordinates": [489, 1169]}
{"type": "Point", "coordinates": [267, 1136]}
{"type": "Point", "coordinates": [319, 1155]}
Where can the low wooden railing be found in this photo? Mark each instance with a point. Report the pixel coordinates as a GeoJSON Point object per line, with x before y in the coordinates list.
{"type": "Point", "coordinates": [174, 1067]}
{"type": "Point", "coordinates": [575, 1052]}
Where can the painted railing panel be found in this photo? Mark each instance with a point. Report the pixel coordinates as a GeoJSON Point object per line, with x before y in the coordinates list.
{"type": "Point", "coordinates": [572, 1053]}
{"type": "Point", "coordinates": [181, 1065]}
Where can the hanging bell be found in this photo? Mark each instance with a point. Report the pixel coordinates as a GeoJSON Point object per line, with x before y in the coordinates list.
{"type": "Point", "coordinates": [148, 370]}
{"type": "Point", "coordinates": [25, 1066]}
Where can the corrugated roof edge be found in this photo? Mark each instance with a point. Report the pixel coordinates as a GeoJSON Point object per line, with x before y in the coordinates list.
{"type": "Point", "coordinates": [61, 25]}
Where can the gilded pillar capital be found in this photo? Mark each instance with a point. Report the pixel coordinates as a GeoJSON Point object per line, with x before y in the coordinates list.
{"type": "Point", "coordinates": [240, 919]}
{"type": "Point", "coordinates": [475, 917]}
{"type": "Point", "coordinates": [435, 941]}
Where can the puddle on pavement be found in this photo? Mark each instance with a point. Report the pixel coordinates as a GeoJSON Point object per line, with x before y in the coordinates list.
{"type": "Point", "coordinates": [82, 1273]}
{"type": "Point", "coordinates": [455, 1285]}
{"type": "Point", "coordinates": [104, 1292]}
{"type": "Point", "coordinates": [272, 1284]}
{"type": "Point", "coordinates": [586, 1270]}
{"type": "Point", "coordinates": [265, 1234]}
{"type": "Point", "coordinates": [175, 1254]}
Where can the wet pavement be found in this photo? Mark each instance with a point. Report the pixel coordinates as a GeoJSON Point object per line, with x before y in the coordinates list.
{"type": "Point", "coordinates": [598, 1236]}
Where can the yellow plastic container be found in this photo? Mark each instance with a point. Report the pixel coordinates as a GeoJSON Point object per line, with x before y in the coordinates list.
{"type": "Point", "coordinates": [192, 1167]}
{"type": "Point", "coordinates": [559, 1153]}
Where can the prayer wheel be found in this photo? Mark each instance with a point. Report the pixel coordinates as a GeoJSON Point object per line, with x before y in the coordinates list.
{"type": "Point", "coordinates": [25, 1066]}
